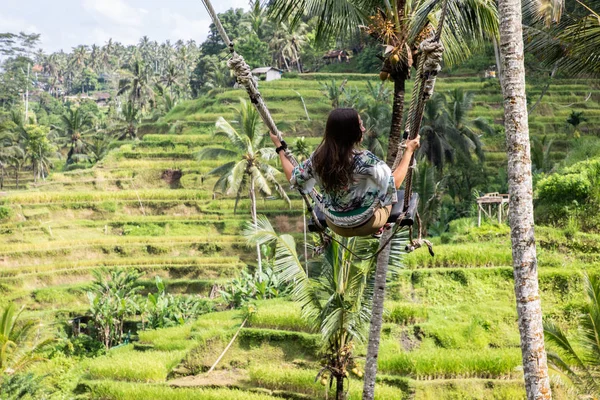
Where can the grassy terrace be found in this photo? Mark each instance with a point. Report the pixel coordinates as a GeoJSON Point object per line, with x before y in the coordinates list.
{"type": "Point", "coordinates": [449, 332]}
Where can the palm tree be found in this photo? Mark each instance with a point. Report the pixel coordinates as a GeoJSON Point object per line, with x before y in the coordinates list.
{"type": "Point", "coordinates": [98, 146]}
{"type": "Point", "coordinates": [130, 115]}
{"type": "Point", "coordinates": [11, 154]}
{"type": "Point", "coordinates": [430, 193]}
{"type": "Point", "coordinates": [447, 129]}
{"type": "Point", "coordinates": [250, 169]}
{"type": "Point", "coordinates": [529, 309]}
{"type": "Point", "coordinates": [564, 36]}
{"type": "Point", "coordinates": [74, 122]}
{"type": "Point", "coordinates": [137, 85]}
{"type": "Point", "coordinates": [18, 341]}
{"type": "Point", "coordinates": [38, 150]}
{"type": "Point", "coordinates": [258, 20]}
{"type": "Point", "coordinates": [400, 26]}
{"type": "Point", "coordinates": [579, 368]}
{"type": "Point", "coordinates": [540, 153]}
{"type": "Point", "coordinates": [171, 77]}
{"type": "Point", "coordinates": [574, 120]}
{"type": "Point", "coordinates": [301, 149]}
{"type": "Point", "coordinates": [338, 302]}
{"type": "Point", "coordinates": [375, 112]}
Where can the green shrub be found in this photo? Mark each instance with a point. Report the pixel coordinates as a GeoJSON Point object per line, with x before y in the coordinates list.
{"type": "Point", "coordinates": [143, 230]}
{"type": "Point", "coordinates": [564, 189]}
{"type": "Point", "coordinates": [5, 212]}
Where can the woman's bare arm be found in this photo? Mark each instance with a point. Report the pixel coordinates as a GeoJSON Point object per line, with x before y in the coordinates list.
{"type": "Point", "coordinates": [400, 172]}
{"type": "Point", "coordinates": [285, 163]}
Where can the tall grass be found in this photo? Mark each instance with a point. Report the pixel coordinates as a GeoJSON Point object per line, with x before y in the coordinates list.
{"type": "Point", "coordinates": [107, 390]}
{"type": "Point", "coordinates": [451, 363]}
{"type": "Point", "coordinates": [279, 314]}
{"type": "Point", "coordinates": [277, 377]}
{"type": "Point", "coordinates": [125, 364]}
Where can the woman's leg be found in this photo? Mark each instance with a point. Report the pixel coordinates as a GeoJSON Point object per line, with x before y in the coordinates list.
{"type": "Point", "coordinates": [376, 222]}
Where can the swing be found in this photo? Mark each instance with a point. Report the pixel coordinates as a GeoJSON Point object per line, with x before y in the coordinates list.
{"type": "Point", "coordinates": [406, 216]}
{"type": "Point", "coordinates": [404, 212]}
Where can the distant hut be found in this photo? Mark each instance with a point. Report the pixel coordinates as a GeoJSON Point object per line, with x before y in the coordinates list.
{"type": "Point", "coordinates": [268, 73]}
{"type": "Point", "coordinates": [102, 99]}
{"type": "Point", "coordinates": [336, 56]}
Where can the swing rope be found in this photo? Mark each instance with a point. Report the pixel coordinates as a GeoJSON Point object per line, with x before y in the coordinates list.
{"type": "Point", "coordinates": [430, 50]}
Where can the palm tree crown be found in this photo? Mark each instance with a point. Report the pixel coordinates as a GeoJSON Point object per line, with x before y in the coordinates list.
{"type": "Point", "coordinates": [338, 301]}
{"type": "Point", "coordinates": [250, 165]}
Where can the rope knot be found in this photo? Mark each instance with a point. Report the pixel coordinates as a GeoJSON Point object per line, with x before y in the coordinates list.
{"type": "Point", "coordinates": [242, 70]}
{"type": "Point", "coordinates": [433, 52]}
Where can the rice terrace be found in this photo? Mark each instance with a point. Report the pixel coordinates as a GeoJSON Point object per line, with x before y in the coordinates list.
{"type": "Point", "coordinates": [300, 199]}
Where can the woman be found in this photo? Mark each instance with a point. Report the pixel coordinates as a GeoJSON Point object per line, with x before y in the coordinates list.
{"type": "Point", "coordinates": [351, 179]}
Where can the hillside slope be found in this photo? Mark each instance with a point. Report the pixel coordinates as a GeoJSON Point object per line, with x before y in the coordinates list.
{"type": "Point", "coordinates": [450, 328]}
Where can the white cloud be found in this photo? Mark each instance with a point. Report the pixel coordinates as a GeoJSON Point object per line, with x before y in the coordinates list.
{"type": "Point", "coordinates": [17, 25]}
{"type": "Point", "coordinates": [182, 27]}
{"type": "Point", "coordinates": [116, 11]}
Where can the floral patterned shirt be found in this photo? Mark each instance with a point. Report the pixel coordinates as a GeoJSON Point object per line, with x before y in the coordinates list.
{"type": "Point", "coordinates": [372, 180]}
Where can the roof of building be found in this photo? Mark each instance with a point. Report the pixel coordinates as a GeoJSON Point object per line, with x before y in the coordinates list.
{"type": "Point", "coordinates": [101, 96]}
{"type": "Point", "coordinates": [336, 54]}
{"type": "Point", "coordinates": [264, 70]}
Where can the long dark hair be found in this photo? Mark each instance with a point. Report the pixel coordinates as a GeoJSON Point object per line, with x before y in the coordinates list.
{"type": "Point", "coordinates": [333, 159]}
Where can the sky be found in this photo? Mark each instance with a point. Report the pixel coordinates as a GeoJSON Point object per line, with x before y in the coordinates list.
{"type": "Point", "coordinates": [65, 24]}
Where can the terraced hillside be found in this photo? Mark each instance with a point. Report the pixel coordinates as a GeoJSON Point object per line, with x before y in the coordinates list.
{"type": "Point", "coordinates": [450, 329]}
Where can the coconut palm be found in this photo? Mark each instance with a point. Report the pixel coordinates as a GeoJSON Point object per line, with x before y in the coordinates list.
{"type": "Point", "coordinates": [18, 341]}
{"type": "Point", "coordinates": [250, 169]}
{"type": "Point", "coordinates": [375, 112]}
{"type": "Point", "coordinates": [520, 188]}
{"type": "Point", "coordinates": [11, 154]}
{"type": "Point", "coordinates": [257, 19]}
{"type": "Point", "coordinates": [74, 122]}
{"type": "Point", "coordinates": [579, 359]}
{"type": "Point", "coordinates": [172, 78]}
{"type": "Point", "coordinates": [130, 116]}
{"type": "Point", "coordinates": [301, 149]}
{"type": "Point", "coordinates": [137, 85]}
{"type": "Point", "coordinates": [430, 192]}
{"type": "Point", "coordinates": [540, 153]}
{"type": "Point", "coordinates": [338, 302]}
{"type": "Point", "coordinates": [38, 150]}
{"type": "Point", "coordinates": [446, 128]}
{"type": "Point", "coordinates": [565, 36]}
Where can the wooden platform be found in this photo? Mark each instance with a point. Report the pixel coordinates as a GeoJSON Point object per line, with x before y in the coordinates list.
{"type": "Point", "coordinates": [496, 201]}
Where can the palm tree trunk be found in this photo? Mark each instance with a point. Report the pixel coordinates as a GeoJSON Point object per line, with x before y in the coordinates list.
{"type": "Point", "coordinates": [17, 177]}
{"type": "Point", "coordinates": [376, 318]}
{"type": "Point", "coordinates": [297, 58]}
{"type": "Point", "coordinates": [397, 112]}
{"type": "Point", "coordinates": [254, 220]}
{"type": "Point", "coordinates": [384, 256]}
{"type": "Point", "coordinates": [529, 310]}
{"type": "Point", "coordinates": [339, 388]}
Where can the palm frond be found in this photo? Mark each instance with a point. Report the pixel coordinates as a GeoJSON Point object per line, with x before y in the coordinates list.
{"type": "Point", "coordinates": [469, 24]}
{"type": "Point", "coordinates": [224, 128]}
{"type": "Point", "coordinates": [236, 177]}
{"type": "Point", "coordinates": [335, 17]}
{"type": "Point", "coordinates": [210, 153]}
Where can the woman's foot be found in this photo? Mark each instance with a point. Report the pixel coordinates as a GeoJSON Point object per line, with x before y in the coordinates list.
{"type": "Point", "coordinates": [379, 233]}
